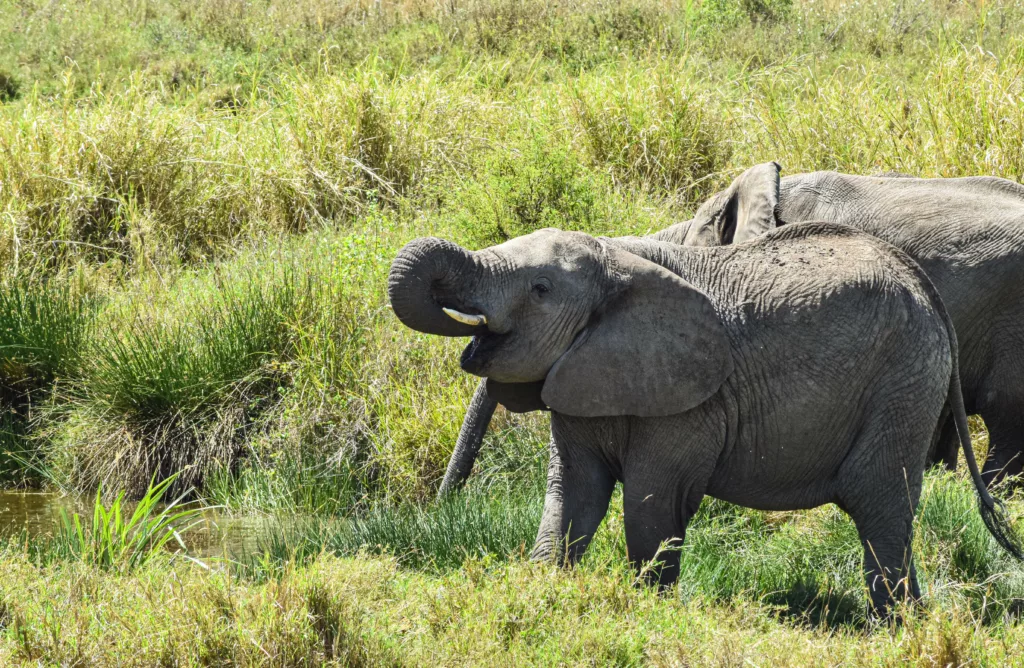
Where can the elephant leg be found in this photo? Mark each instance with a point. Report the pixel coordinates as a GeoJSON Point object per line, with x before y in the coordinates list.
{"type": "Point", "coordinates": [880, 486]}
{"type": "Point", "coordinates": [1001, 405]}
{"type": "Point", "coordinates": [579, 489]}
{"type": "Point", "coordinates": [1005, 423]}
{"type": "Point", "coordinates": [664, 481]}
{"type": "Point", "coordinates": [947, 445]}
{"type": "Point", "coordinates": [889, 570]}
{"type": "Point", "coordinates": [884, 517]}
{"type": "Point", "coordinates": [656, 517]}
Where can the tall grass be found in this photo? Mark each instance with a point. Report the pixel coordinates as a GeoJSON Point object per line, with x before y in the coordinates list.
{"type": "Point", "coordinates": [654, 129]}
{"type": "Point", "coordinates": [234, 191]}
{"type": "Point", "coordinates": [175, 382]}
{"type": "Point", "coordinates": [43, 326]}
{"type": "Point", "coordinates": [783, 588]}
{"type": "Point", "coordinates": [805, 565]}
{"type": "Point", "coordinates": [437, 538]}
{"type": "Point", "coordinates": [962, 118]}
{"type": "Point", "coordinates": [369, 611]}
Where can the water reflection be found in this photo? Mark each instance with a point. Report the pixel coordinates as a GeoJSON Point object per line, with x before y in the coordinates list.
{"type": "Point", "coordinates": [214, 534]}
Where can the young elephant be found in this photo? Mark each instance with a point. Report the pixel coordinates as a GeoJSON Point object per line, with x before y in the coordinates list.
{"type": "Point", "coordinates": [807, 367]}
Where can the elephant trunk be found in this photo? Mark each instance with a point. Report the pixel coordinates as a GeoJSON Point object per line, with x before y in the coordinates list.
{"type": "Point", "coordinates": [431, 275]}
{"type": "Point", "coordinates": [478, 417]}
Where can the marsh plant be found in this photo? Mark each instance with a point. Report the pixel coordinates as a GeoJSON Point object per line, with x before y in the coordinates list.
{"type": "Point", "coordinates": [122, 536]}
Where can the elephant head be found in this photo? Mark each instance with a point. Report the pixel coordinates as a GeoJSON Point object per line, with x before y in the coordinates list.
{"type": "Point", "coordinates": [745, 210]}
{"type": "Point", "coordinates": [598, 330]}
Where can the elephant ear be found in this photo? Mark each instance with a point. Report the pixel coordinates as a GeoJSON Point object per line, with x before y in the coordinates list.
{"type": "Point", "coordinates": [657, 347]}
{"type": "Point", "coordinates": [744, 210]}
{"type": "Point", "coordinates": [517, 397]}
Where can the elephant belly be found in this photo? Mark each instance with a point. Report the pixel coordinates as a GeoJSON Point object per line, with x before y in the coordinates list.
{"type": "Point", "coordinates": [775, 483]}
{"type": "Point", "coordinates": [791, 460]}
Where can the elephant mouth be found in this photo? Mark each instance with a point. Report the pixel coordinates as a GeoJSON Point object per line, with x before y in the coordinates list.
{"type": "Point", "coordinates": [479, 351]}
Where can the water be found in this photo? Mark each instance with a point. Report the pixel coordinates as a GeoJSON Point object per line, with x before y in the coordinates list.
{"type": "Point", "coordinates": [214, 535]}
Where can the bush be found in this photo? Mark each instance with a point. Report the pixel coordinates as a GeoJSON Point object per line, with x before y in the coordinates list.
{"type": "Point", "coordinates": [43, 326]}
{"type": "Point", "coordinates": [525, 190]}
{"type": "Point", "coordinates": [177, 382]}
{"type": "Point", "coordinates": [755, 11]}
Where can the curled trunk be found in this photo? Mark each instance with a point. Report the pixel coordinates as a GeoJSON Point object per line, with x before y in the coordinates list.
{"type": "Point", "coordinates": [428, 275]}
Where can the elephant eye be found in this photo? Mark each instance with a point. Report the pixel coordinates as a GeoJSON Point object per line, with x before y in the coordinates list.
{"type": "Point", "coordinates": [540, 289]}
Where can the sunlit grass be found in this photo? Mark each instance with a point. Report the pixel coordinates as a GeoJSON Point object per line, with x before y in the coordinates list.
{"type": "Point", "coordinates": [449, 581]}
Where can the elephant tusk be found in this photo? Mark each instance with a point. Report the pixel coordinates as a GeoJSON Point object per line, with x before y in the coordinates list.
{"type": "Point", "coordinates": [465, 318]}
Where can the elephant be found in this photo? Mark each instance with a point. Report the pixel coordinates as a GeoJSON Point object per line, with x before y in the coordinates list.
{"type": "Point", "coordinates": [808, 366]}
{"type": "Point", "coordinates": [967, 234]}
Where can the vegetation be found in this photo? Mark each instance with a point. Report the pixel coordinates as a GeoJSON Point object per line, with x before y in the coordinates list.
{"type": "Point", "coordinates": [119, 538]}
{"type": "Point", "coordinates": [199, 201]}
{"type": "Point", "coordinates": [450, 584]}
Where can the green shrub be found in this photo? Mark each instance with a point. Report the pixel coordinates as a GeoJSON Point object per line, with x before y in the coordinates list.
{"type": "Point", "coordinates": [43, 326]}
{"type": "Point", "coordinates": [755, 11]}
{"type": "Point", "coordinates": [525, 190]}
{"type": "Point", "coordinates": [178, 386]}
{"type": "Point", "coordinates": [10, 88]}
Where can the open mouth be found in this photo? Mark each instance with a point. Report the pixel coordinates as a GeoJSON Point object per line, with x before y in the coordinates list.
{"type": "Point", "coordinates": [476, 355]}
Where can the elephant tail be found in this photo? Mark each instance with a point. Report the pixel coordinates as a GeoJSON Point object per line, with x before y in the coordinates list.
{"type": "Point", "coordinates": [993, 513]}
{"type": "Point", "coordinates": [471, 436]}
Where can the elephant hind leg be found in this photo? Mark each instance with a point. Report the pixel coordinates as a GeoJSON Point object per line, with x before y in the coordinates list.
{"type": "Point", "coordinates": [885, 522]}
{"type": "Point", "coordinates": [880, 489]}
{"type": "Point", "coordinates": [1005, 423]}
{"type": "Point", "coordinates": [889, 571]}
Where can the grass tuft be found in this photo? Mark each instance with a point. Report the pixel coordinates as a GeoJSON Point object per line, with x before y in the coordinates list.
{"type": "Point", "coordinates": [120, 537]}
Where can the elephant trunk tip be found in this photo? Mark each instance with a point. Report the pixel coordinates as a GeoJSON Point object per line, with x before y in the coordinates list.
{"type": "Point", "coordinates": [426, 284]}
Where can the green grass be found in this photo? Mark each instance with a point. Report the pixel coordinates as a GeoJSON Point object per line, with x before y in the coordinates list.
{"type": "Point", "coordinates": [43, 326]}
{"type": "Point", "coordinates": [198, 205]}
{"type": "Point", "coordinates": [804, 565]}
{"type": "Point", "coordinates": [120, 537]}
{"type": "Point", "coordinates": [448, 582]}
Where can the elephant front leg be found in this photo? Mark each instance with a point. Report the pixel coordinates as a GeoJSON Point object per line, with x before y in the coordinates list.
{"type": "Point", "coordinates": [579, 489]}
{"type": "Point", "coordinates": [656, 517]}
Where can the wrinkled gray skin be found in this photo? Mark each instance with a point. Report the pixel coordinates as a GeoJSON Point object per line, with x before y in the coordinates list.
{"type": "Point", "coordinates": [807, 367]}
{"type": "Point", "coordinates": [968, 235]}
